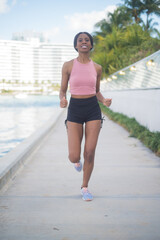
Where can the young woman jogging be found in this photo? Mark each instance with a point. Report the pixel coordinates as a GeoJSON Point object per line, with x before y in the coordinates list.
{"type": "Point", "coordinates": [83, 76]}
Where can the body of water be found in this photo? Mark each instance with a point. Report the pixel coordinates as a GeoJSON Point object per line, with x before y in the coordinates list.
{"type": "Point", "coordinates": [20, 117]}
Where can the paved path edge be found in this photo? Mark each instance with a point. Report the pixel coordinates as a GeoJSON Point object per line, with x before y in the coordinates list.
{"type": "Point", "coordinates": [10, 163]}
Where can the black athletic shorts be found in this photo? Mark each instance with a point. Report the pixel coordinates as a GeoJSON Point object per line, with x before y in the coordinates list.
{"type": "Point", "coordinates": [83, 110]}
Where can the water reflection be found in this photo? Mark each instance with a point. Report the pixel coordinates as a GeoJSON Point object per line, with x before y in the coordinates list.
{"type": "Point", "coordinates": [19, 118]}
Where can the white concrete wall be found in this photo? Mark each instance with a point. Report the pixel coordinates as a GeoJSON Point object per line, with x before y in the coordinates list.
{"type": "Point", "coordinates": [143, 105]}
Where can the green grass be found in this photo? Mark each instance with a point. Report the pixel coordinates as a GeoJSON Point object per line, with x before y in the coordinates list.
{"type": "Point", "coordinates": [149, 139]}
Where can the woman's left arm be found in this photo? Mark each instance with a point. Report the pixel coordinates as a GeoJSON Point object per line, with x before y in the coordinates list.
{"type": "Point", "coordinates": [106, 101]}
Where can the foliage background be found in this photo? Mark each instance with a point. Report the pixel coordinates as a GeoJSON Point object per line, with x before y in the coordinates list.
{"type": "Point", "coordinates": [125, 38]}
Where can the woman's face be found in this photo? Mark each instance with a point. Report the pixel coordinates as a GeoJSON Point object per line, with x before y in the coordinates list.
{"type": "Point", "coordinates": [83, 43]}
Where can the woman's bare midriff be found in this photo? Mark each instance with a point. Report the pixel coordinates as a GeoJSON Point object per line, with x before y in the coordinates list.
{"type": "Point", "coordinates": [83, 96]}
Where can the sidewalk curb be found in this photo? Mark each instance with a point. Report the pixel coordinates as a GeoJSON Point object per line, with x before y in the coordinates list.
{"type": "Point", "coordinates": [10, 163]}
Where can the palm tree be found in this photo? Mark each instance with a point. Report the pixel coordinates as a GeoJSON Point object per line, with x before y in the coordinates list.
{"type": "Point", "coordinates": [121, 41]}
{"type": "Point", "coordinates": [150, 7]}
{"type": "Point", "coordinates": [105, 28]}
{"type": "Point", "coordinates": [150, 26]}
{"type": "Point", "coordinates": [108, 50]}
{"type": "Point", "coordinates": [118, 19]}
{"type": "Point", "coordinates": [134, 35]}
{"type": "Point", "coordinates": [134, 7]}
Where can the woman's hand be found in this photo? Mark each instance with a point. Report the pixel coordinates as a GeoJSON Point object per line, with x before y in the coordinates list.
{"type": "Point", "coordinates": [107, 102]}
{"type": "Point", "coordinates": [63, 102]}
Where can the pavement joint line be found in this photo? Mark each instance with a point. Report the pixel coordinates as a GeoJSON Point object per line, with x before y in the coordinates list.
{"type": "Point", "coordinates": [156, 196]}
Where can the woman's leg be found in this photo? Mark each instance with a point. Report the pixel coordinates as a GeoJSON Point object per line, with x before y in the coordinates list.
{"type": "Point", "coordinates": [92, 130]}
{"type": "Point", "coordinates": [75, 135]}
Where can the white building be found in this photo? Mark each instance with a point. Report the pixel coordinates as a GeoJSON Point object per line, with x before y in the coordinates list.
{"type": "Point", "coordinates": [30, 61]}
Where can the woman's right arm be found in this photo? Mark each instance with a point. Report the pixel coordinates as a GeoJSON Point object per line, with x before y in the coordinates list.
{"type": "Point", "coordinates": [64, 86]}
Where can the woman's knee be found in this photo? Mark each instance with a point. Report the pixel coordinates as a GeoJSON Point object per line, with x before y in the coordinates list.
{"type": "Point", "coordinates": [74, 158]}
{"type": "Point", "coordinates": [89, 155]}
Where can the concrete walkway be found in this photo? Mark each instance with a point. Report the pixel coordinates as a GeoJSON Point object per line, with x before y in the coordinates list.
{"type": "Point", "coordinates": [43, 201]}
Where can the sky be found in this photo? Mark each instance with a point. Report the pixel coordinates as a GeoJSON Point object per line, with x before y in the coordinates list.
{"type": "Point", "coordinates": [58, 20]}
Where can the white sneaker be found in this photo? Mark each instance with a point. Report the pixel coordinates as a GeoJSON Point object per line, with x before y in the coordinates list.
{"type": "Point", "coordinates": [86, 195]}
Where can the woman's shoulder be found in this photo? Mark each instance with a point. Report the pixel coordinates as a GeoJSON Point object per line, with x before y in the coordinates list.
{"type": "Point", "coordinates": [67, 66]}
{"type": "Point", "coordinates": [98, 67]}
{"type": "Point", "coordinates": [68, 63]}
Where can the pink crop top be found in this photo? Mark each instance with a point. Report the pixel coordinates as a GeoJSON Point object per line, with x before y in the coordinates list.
{"type": "Point", "coordinates": [83, 78]}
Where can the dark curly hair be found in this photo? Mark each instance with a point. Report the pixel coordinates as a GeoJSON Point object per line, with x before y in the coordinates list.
{"type": "Point", "coordinates": [76, 37]}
